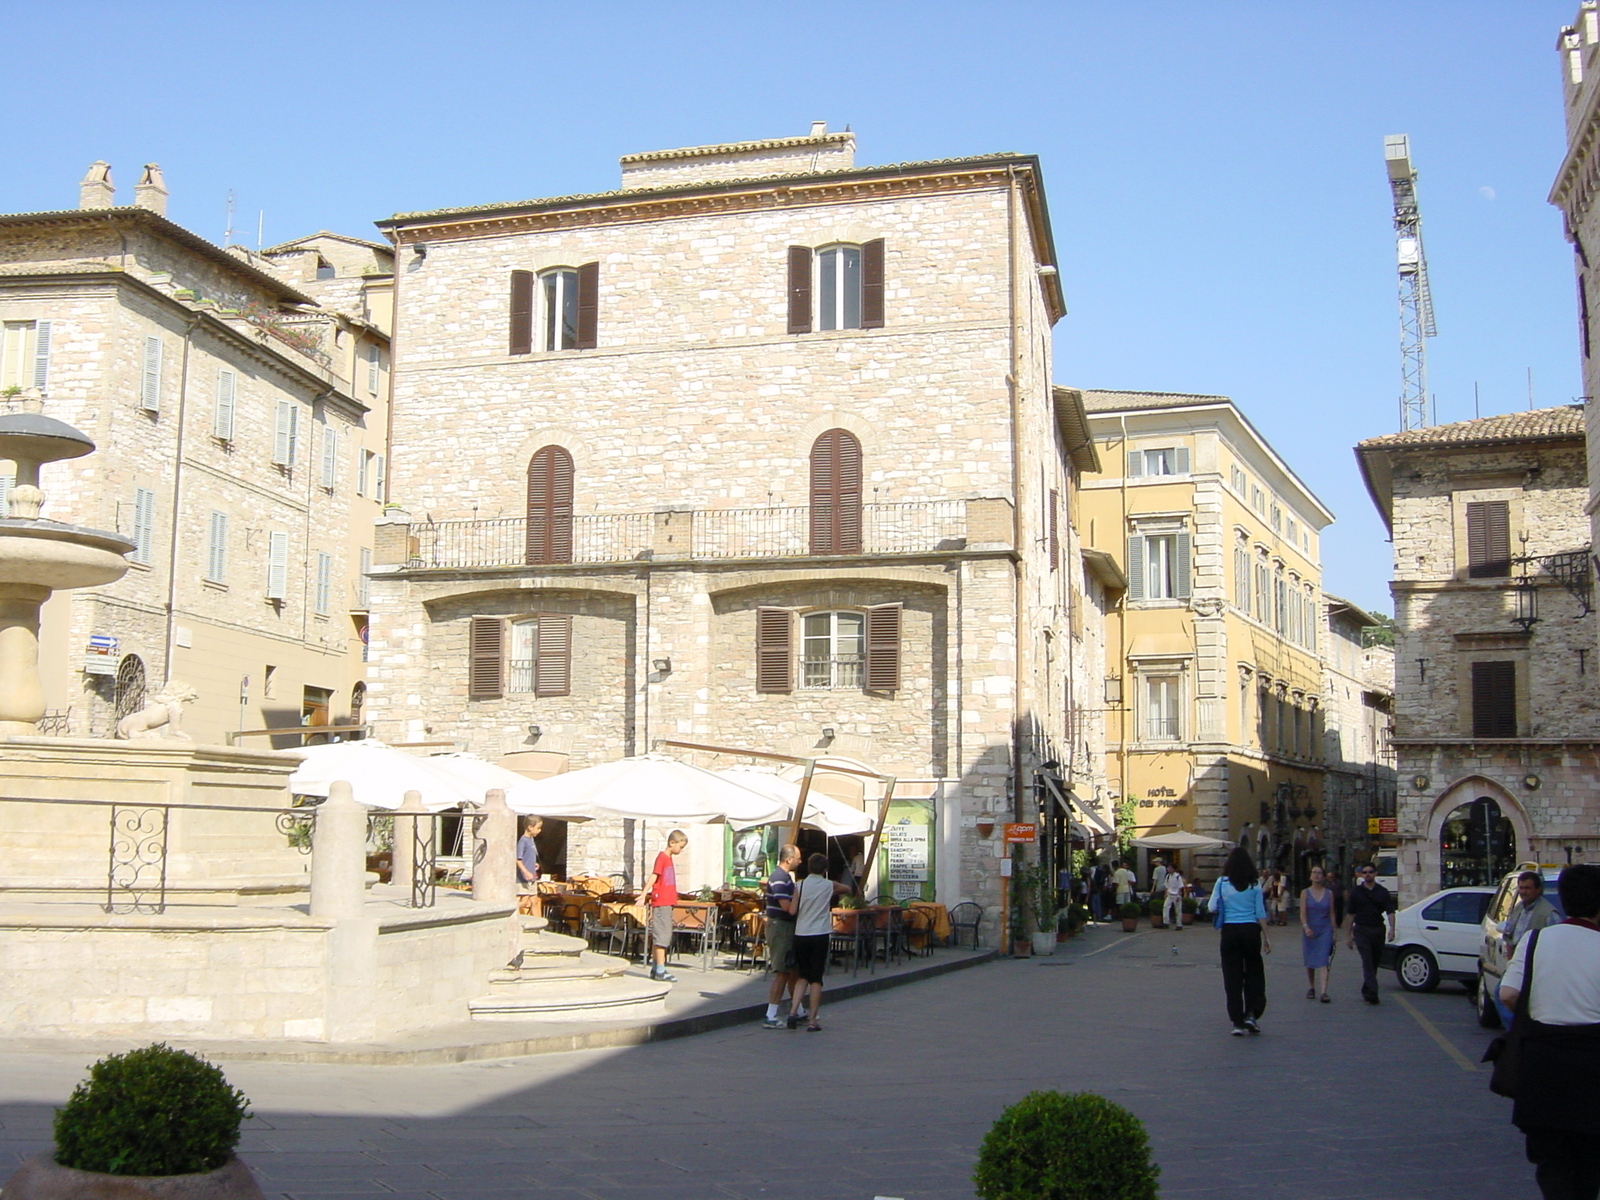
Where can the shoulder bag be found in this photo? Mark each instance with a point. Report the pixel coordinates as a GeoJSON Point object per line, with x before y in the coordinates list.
{"type": "Point", "coordinates": [1505, 1051]}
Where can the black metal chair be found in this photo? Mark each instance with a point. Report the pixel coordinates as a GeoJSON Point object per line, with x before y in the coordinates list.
{"type": "Point", "coordinates": [965, 917]}
{"type": "Point", "coordinates": [698, 928]}
{"type": "Point", "coordinates": [625, 934]}
{"type": "Point", "coordinates": [749, 937]}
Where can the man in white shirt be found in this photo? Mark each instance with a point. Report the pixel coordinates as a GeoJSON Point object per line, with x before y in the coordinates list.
{"type": "Point", "coordinates": [1556, 1106]}
{"type": "Point", "coordinates": [1122, 879]}
{"type": "Point", "coordinates": [1173, 887]}
{"type": "Point", "coordinates": [1158, 878]}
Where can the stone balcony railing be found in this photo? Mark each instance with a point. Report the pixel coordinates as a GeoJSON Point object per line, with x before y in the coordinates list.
{"type": "Point", "coordinates": [914, 527]}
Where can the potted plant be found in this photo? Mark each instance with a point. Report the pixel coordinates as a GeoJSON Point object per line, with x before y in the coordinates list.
{"type": "Point", "coordinates": [1129, 913]}
{"type": "Point", "coordinates": [1078, 915]}
{"type": "Point", "coordinates": [1046, 912]}
{"type": "Point", "coordinates": [1055, 1146]}
{"type": "Point", "coordinates": [1190, 907]}
{"type": "Point", "coordinates": [155, 1122]}
{"type": "Point", "coordinates": [1152, 909]}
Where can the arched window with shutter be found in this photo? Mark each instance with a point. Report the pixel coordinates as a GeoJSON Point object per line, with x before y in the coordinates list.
{"type": "Point", "coordinates": [549, 506]}
{"type": "Point", "coordinates": [836, 493]}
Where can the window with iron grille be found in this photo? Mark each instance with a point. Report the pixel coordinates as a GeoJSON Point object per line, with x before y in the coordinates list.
{"type": "Point", "coordinates": [1162, 712]}
{"type": "Point", "coordinates": [833, 650]}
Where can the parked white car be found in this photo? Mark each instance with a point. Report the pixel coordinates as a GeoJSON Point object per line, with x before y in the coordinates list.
{"type": "Point", "coordinates": [1439, 938]}
{"type": "Point", "coordinates": [1493, 953]}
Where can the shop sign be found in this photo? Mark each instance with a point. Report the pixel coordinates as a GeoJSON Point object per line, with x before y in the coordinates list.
{"type": "Point", "coordinates": [1381, 825]}
{"type": "Point", "coordinates": [907, 891]}
{"type": "Point", "coordinates": [908, 853]}
{"type": "Point", "coordinates": [1021, 832]}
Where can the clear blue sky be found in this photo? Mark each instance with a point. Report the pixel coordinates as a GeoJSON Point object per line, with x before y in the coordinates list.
{"type": "Point", "coordinates": [1214, 170]}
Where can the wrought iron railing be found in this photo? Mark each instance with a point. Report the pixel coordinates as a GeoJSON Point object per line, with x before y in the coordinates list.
{"type": "Point", "coordinates": [503, 542]}
{"type": "Point", "coordinates": [913, 527]}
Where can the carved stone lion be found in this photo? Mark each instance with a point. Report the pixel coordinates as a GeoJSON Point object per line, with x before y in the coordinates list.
{"type": "Point", "coordinates": [162, 715]}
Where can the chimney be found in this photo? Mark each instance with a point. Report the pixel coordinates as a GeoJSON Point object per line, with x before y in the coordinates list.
{"type": "Point", "coordinates": [150, 192]}
{"type": "Point", "coordinates": [95, 190]}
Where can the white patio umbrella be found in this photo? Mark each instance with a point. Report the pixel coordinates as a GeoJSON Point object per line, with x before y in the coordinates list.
{"type": "Point", "coordinates": [476, 773]}
{"type": "Point", "coordinates": [1181, 840]}
{"type": "Point", "coordinates": [379, 776]}
{"type": "Point", "coordinates": [647, 787]}
{"type": "Point", "coordinates": [834, 817]}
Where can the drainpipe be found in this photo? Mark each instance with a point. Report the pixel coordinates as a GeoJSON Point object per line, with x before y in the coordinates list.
{"type": "Point", "coordinates": [170, 640]}
{"type": "Point", "coordinates": [1128, 698]}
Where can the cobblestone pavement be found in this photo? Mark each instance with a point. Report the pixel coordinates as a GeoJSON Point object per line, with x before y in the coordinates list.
{"type": "Point", "coordinates": [893, 1097]}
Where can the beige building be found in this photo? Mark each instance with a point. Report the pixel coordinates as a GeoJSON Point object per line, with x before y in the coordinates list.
{"type": "Point", "coordinates": [241, 438]}
{"type": "Point", "coordinates": [1497, 719]}
{"type": "Point", "coordinates": [1214, 688]}
{"type": "Point", "coordinates": [1358, 720]}
{"type": "Point", "coordinates": [759, 450]}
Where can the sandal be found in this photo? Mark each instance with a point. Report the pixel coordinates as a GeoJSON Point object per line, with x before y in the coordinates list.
{"type": "Point", "coordinates": [813, 1028]}
{"type": "Point", "coordinates": [1311, 993]}
{"type": "Point", "coordinates": [1326, 999]}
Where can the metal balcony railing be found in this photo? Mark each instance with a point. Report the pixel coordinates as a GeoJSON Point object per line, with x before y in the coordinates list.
{"type": "Point", "coordinates": [914, 527]}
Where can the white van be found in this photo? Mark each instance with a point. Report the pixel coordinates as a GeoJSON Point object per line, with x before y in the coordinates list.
{"type": "Point", "coordinates": [1388, 864]}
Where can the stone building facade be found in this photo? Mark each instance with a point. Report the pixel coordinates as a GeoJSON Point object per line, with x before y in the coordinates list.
{"type": "Point", "coordinates": [1497, 718]}
{"type": "Point", "coordinates": [1215, 686]}
{"type": "Point", "coordinates": [231, 431]}
{"type": "Point", "coordinates": [760, 450]}
{"type": "Point", "coordinates": [1358, 719]}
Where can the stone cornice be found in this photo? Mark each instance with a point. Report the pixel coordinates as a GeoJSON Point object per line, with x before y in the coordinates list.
{"type": "Point", "coordinates": [1512, 743]}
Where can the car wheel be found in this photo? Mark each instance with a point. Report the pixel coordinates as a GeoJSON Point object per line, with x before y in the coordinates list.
{"type": "Point", "coordinates": [1488, 1015]}
{"type": "Point", "coordinates": [1417, 970]}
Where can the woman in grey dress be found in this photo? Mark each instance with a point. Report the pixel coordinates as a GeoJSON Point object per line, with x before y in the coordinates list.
{"type": "Point", "coordinates": [1316, 926]}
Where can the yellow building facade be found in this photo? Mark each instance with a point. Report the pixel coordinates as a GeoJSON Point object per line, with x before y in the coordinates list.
{"type": "Point", "coordinates": [1213, 694]}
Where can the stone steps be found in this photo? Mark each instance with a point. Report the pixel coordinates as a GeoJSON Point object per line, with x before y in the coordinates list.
{"type": "Point", "coordinates": [610, 998]}
{"type": "Point", "coordinates": [547, 967]}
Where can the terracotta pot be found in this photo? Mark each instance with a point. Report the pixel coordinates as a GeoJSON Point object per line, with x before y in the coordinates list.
{"type": "Point", "coordinates": [1156, 921]}
{"type": "Point", "coordinates": [1188, 918]}
{"type": "Point", "coordinates": [1020, 948]}
{"type": "Point", "coordinates": [1129, 924]}
{"type": "Point", "coordinates": [1064, 932]}
{"type": "Point", "coordinates": [42, 1178]}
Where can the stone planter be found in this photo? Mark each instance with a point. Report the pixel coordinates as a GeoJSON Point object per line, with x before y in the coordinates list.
{"type": "Point", "coordinates": [42, 1178]}
{"type": "Point", "coordinates": [1044, 941]}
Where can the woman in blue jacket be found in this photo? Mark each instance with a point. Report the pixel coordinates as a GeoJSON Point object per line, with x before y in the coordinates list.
{"type": "Point", "coordinates": [1242, 917]}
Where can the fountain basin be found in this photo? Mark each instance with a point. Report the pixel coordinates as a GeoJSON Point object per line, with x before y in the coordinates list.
{"type": "Point", "coordinates": [49, 554]}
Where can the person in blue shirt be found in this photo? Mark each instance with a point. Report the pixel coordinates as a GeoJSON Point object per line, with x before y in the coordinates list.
{"type": "Point", "coordinates": [1241, 915]}
{"type": "Point", "coordinates": [528, 855]}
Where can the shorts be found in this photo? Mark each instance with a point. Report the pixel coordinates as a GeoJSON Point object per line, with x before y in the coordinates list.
{"type": "Point", "coordinates": [811, 956]}
{"type": "Point", "coordinates": [661, 926]}
{"type": "Point", "coordinates": [780, 946]}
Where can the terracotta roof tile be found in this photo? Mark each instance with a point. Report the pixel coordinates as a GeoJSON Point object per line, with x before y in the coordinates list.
{"type": "Point", "coordinates": [1103, 401]}
{"type": "Point", "coordinates": [1541, 424]}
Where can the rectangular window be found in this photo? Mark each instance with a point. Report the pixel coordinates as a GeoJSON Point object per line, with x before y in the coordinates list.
{"type": "Point", "coordinates": [1263, 593]}
{"type": "Point", "coordinates": [330, 456]}
{"type": "Point", "coordinates": [217, 557]}
{"type": "Point", "coordinates": [25, 354]}
{"type": "Point", "coordinates": [150, 376]}
{"type": "Point", "coordinates": [541, 656]}
{"type": "Point", "coordinates": [1161, 715]}
{"type": "Point", "coordinates": [324, 588]}
{"type": "Point", "coordinates": [1241, 579]}
{"type": "Point", "coordinates": [222, 418]}
{"type": "Point", "coordinates": [373, 368]}
{"type": "Point", "coordinates": [363, 462]}
{"type": "Point", "coordinates": [144, 517]}
{"type": "Point", "coordinates": [839, 287]}
{"type": "Point", "coordinates": [1258, 500]}
{"type": "Point", "coordinates": [1239, 481]}
{"type": "Point", "coordinates": [1158, 567]}
{"type": "Point", "coordinates": [277, 566]}
{"type": "Point", "coordinates": [833, 650]}
{"type": "Point", "coordinates": [286, 434]}
{"type": "Point", "coordinates": [363, 588]}
{"type": "Point", "coordinates": [380, 480]}
{"type": "Point", "coordinates": [1489, 539]}
{"type": "Point", "coordinates": [1277, 519]}
{"type": "Point", "coordinates": [1494, 699]}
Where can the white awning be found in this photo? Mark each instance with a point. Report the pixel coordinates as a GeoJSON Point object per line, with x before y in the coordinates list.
{"type": "Point", "coordinates": [1072, 804]}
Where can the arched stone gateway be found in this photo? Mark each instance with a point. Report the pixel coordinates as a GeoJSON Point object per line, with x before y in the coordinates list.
{"type": "Point", "coordinates": [1476, 833]}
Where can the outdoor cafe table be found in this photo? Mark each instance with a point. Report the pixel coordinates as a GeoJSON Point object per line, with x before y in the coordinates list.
{"type": "Point", "coordinates": [938, 914]}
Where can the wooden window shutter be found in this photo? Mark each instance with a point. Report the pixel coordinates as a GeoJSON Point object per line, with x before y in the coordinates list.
{"type": "Point", "coordinates": [1136, 568]}
{"type": "Point", "coordinates": [836, 493]}
{"type": "Point", "coordinates": [1583, 313]}
{"type": "Point", "coordinates": [1494, 699]}
{"type": "Point", "coordinates": [222, 418]}
{"type": "Point", "coordinates": [774, 650]}
{"type": "Point", "coordinates": [486, 638]}
{"type": "Point", "coordinates": [277, 566]}
{"type": "Point", "coordinates": [1489, 539]}
{"type": "Point", "coordinates": [1055, 529]}
{"type": "Point", "coordinates": [41, 355]}
{"type": "Point", "coordinates": [883, 648]}
{"type": "Point", "coordinates": [552, 665]}
{"type": "Point", "coordinates": [1180, 460]}
{"type": "Point", "coordinates": [150, 376]}
{"type": "Point", "coordinates": [521, 312]}
{"type": "Point", "coordinates": [549, 532]}
{"type": "Point", "coordinates": [1180, 566]}
{"type": "Point", "coordinates": [588, 306]}
{"type": "Point", "coordinates": [1135, 463]}
{"type": "Point", "coordinates": [872, 284]}
{"type": "Point", "coordinates": [800, 289]}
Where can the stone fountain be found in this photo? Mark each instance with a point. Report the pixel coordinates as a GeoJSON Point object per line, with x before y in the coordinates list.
{"type": "Point", "coordinates": [38, 557]}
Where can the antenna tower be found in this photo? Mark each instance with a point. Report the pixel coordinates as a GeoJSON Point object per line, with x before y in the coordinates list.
{"type": "Point", "coordinates": [1416, 301]}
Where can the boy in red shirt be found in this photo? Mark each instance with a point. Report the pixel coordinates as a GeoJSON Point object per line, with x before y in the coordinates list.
{"type": "Point", "coordinates": [661, 893]}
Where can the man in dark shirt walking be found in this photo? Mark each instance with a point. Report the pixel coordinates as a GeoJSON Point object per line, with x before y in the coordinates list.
{"type": "Point", "coordinates": [780, 941]}
{"type": "Point", "coordinates": [1369, 904]}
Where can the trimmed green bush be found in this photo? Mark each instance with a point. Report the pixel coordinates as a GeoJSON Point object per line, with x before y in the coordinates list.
{"type": "Point", "coordinates": [1191, 905]}
{"type": "Point", "coordinates": [1066, 1146]}
{"type": "Point", "coordinates": [155, 1111]}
